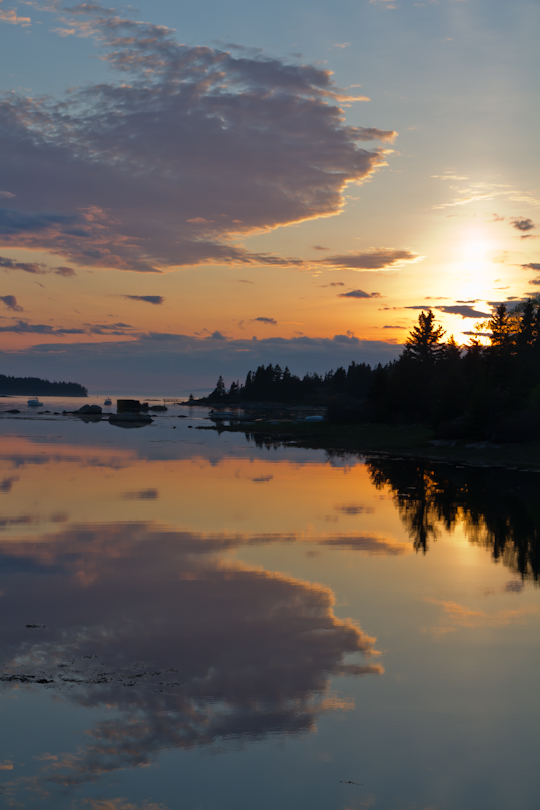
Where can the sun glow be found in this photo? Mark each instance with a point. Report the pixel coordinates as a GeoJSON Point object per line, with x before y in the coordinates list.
{"type": "Point", "coordinates": [476, 268]}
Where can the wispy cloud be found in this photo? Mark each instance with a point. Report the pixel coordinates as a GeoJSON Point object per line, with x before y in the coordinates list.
{"type": "Point", "coordinates": [359, 294]}
{"type": "Point", "coordinates": [35, 268]}
{"type": "Point", "coordinates": [148, 299]}
{"type": "Point", "coordinates": [268, 321]}
{"type": "Point", "coordinates": [10, 16]}
{"type": "Point", "coordinates": [463, 310]}
{"type": "Point", "coordinates": [457, 615]}
{"type": "Point", "coordinates": [480, 192]}
{"type": "Point", "coordinates": [377, 259]}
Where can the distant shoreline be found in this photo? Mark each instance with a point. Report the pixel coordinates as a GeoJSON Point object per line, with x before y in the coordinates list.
{"type": "Point", "coordinates": [37, 387]}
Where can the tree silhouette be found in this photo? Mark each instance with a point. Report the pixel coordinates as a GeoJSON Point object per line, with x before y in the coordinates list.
{"type": "Point", "coordinates": [424, 341]}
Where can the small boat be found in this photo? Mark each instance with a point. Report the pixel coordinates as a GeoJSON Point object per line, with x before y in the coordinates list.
{"type": "Point", "coordinates": [108, 401]}
{"type": "Point", "coordinates": [35, 403]}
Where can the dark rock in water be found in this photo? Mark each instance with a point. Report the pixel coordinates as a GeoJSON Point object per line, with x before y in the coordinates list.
{"type": "Point", "coordinates": [89, 409]}
{"type": "Point", "coordinates": [130, 406]}
{"type": "Point", "coordinates": [130, 420]}
{"type": "Point", "coordinates": [182, 416]}
{"type": "Point", "coordinates": [13, 410]}
{"type": "Point", "coordinates": [158, 408]}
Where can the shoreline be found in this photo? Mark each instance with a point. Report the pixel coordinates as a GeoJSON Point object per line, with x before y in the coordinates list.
{"type": "Point", "coordinates": [411, 441]}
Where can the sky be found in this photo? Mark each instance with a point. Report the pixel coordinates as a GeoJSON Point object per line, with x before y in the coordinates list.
{"type": "Point", "coordinates": [195, 189]}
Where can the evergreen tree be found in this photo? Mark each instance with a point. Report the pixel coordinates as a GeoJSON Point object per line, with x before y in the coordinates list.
{"type": "Point", "coordinates": [219, 391]}
{"type": "Point", "coordinates": [424, 341]}
{"type": "Point", "coordinates": [500, 326]}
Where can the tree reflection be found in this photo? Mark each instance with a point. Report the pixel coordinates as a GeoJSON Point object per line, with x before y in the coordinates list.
{"type": "Point", "coordinates": [499, 508]}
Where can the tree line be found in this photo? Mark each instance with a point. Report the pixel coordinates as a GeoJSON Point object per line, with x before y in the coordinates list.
{"type": "Point", "coordinates": [34, 386]}
{"type": "Point", "coordinates": [474, 391]}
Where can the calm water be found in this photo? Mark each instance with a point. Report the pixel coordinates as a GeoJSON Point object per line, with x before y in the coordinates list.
{"type": "Point", "coordinates": [193, 622]}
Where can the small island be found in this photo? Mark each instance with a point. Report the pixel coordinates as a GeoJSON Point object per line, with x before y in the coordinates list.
{"type": "Point", "coordinates": [36, 387]}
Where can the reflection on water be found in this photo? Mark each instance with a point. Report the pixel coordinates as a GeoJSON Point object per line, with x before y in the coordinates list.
{"type": "Point", "coordinates": [500, 509]}
{"type": "Point", "coordinates": [162, 601]}
{"type": "Point", "coordinates": [188, 649]}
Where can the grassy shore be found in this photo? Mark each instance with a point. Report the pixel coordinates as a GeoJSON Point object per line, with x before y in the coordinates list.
{"type": "Point", "coordinates": [409, 440]}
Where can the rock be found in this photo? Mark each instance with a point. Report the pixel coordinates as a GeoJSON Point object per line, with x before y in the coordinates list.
{"type": "Point", "coordinates": [87, 409]}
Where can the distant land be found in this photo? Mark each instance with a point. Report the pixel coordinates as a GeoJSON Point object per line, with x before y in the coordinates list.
{"type": "Point", "coordinates": [36, 387]}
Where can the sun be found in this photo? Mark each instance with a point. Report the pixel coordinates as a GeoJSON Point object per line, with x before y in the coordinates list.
{"type": "Point", "coordinates": [476, 268]}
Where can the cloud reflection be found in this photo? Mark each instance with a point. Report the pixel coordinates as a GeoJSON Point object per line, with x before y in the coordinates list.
{"type": "Point", "coordinates": [189, 649]}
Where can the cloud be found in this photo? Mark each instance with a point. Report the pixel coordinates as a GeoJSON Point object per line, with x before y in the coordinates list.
{"type": "Point", "coordinates": [460, 616]}
{"type": "Point", "coordinates": [348, 339]}
{"type": "Point", "coordinates": [464, 311]}
{"type": "Point", "coordinates": [141, 495]}
{"type": "Point", "coordinates": [374, 134]}
{"type": "Point", "coordinates": [23, 327]}
{"type": "Point", "coordinates": [36, 268]}
{"type": "Point", "coordinates": [378, 259]}
{"type": "Point", "coordinates": [531, 266]}
{"type": "Point", "coordinates": [535, 281]}
{"type": "Point", "coordinates": [269, 321]}
{"type": "Point", "coordinates": [479, 192]}
{"type": "Point", "coordinates": [523, 224]}
{"type": "Point", "coordinates": [192, 148]}
{"type": "Point", "coordinates": [359, 294]}
{"type": "Point", "coordinates": [10, 16]}
{"type": "Point", "coordinates": [334, 284]}
{"type": "Point", "coordinates": [11, 303]}
{"type": "Point", "coordinates": [354, 509]}
{"type": "Point", "coordinates": [150, 299]}
{"type": "Point", "coordinates": [394, 327]}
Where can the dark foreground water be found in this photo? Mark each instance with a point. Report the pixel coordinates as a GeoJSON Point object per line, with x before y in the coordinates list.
{"type": "Point", "coordinates": [192, 622]}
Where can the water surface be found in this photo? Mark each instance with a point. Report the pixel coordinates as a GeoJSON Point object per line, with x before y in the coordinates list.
{"type": "Point", "coordinates": [191, 621]}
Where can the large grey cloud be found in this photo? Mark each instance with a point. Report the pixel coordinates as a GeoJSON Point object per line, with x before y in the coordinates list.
{"type": "Point", "coordinates": [192, 147]}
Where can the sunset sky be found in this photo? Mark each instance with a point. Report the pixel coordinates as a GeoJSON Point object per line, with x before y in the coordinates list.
{"type": "Point", "coordinates": [193, 189]}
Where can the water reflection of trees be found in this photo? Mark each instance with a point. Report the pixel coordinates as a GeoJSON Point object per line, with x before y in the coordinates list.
{"type": "Point", "coordinates": [499, 509]}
